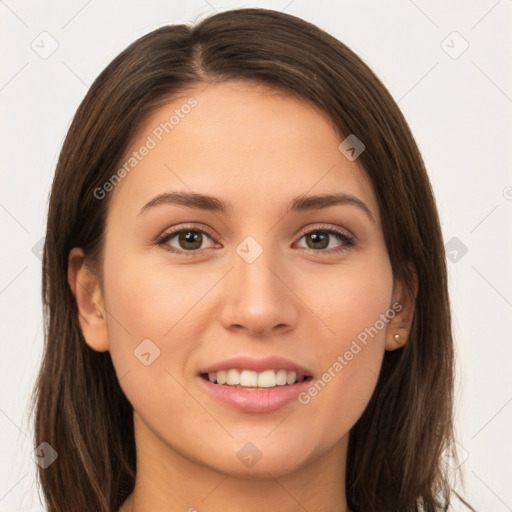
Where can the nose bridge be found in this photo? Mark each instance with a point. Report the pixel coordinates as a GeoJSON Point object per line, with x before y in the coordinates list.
{"type": "Point", "coordinates": [257, 299]}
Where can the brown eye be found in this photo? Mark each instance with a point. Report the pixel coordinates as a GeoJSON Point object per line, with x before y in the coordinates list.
{"type": "Point", "coordinates": [317, 239]}
{"type": "Point", "coordinates": [185, 241]}
{"type": "Point", "coordinates": [190, 240]}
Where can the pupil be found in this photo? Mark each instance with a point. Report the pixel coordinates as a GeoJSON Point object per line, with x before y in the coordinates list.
{"type": "Point", "coordinates": [316, 238]}
{"type": "Point", "coordinates": [190, 237]}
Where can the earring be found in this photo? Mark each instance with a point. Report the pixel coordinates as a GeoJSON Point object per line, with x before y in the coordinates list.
{"type": "Point", "coordinates": [99, 313]}
{"type": "Point", "coordinates": [397, 338]}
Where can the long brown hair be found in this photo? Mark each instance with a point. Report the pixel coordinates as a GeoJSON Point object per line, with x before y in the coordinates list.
{"type": "Point", "coordinates": [395, 457]}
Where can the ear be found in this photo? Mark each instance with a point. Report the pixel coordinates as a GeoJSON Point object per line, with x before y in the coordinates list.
{"type": "Point", "coordinates": [91, 313]}
{"type": "Point", "coordinates": [403, 303]}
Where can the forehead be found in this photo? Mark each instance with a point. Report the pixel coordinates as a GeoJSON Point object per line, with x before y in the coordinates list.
{"type": "Point", "coordinates": [251, 144]}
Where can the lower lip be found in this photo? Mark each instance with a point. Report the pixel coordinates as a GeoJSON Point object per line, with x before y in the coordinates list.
{"type": "Point", "coordinates": [255, 399]}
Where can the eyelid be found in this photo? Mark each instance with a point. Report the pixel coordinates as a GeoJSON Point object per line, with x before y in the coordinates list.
{"type": "Point", "coordinates": [326, 227]}
{"type": "Point", "coordinates": [183, 227]}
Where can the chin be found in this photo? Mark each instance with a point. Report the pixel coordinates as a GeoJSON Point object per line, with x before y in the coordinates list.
{"type": "Point", "coordinates": [256, 458]}
{"type": "Point", "coordinates": [275, 466]}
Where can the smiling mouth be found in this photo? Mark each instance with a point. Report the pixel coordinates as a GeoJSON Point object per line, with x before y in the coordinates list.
{"type": "Point", "coordinates": [248, 379]}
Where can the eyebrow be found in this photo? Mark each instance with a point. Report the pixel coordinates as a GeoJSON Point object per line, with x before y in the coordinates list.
{"type": "Point", "coordinates": [299, 204]}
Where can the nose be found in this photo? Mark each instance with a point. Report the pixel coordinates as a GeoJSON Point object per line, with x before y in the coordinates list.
{"type": "Point", "coordinates": [259, 297]}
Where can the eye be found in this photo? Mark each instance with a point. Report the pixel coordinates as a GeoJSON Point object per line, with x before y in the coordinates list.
{"type": "Point", "coordinates": [321, 238]}
{"type": "Point", "coordinates": [188, 241]}
{"type": "Point", "coordinates": [184, 240]}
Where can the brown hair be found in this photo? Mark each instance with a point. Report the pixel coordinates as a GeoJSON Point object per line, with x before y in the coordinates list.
{"type": "Point", "coordinates": [395, 460]}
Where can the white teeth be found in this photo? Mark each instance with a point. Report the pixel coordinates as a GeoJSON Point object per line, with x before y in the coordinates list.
{"type": "Point", "coordinates": [281, 377]}
{"type": "Point", "coordinates": [267, 379]}
{"type": "Point", "coordinates": [233, 378]}
{"type": "Point", "coordinates": [248, 379]}
{"type": "Point", "coordinates": [252, 379]}
{"type": "Point", "coordinates": [290, 378]}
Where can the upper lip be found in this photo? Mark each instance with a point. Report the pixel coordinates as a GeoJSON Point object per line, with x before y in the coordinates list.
{"type": "Point", "coordinates": [256, 364]}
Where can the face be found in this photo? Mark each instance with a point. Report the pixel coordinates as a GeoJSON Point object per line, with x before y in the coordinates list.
{"type": "Point", "coordinates": [279, 289]}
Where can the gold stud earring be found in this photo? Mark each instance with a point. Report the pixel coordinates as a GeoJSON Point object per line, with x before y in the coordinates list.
{"type": "Point", "coordinates": [397, 338]}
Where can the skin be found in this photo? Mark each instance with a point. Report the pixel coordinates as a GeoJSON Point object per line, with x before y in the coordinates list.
{"type": "Point", "coordinates": [256, 148]}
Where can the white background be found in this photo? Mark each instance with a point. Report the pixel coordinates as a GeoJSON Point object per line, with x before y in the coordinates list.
{"type": "Point", "coordinates": [459, 110]}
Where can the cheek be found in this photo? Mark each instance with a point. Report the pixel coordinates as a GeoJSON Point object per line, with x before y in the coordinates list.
{"type": "Point", "coordinates": [148, 316]}
{"type": "Point", "coordinates": [152, 327]}
{"type": "Point", "coordinates": [150, 300]}
{"type": "Point", "coordinates": [351, 299]}
{"type": "Point", "coordinates": [355, 305]}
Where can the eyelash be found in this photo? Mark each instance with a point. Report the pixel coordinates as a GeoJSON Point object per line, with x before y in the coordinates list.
{"type": "Point", "coordinates": [341, 236]}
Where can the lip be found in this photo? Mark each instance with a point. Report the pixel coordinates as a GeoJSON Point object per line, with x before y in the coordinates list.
{"type": "Point", "coordinates": [255, 400]}
{"type": "Point", "coordinates": [256, 365]}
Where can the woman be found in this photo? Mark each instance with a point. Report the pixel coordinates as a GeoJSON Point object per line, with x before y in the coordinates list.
{"type": "Point", "coordinates": [245, 285]}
